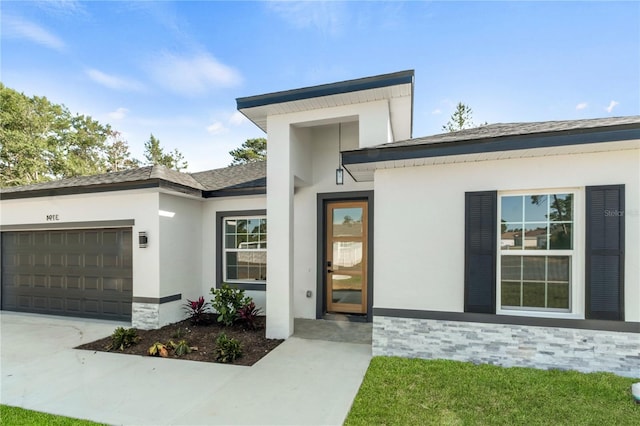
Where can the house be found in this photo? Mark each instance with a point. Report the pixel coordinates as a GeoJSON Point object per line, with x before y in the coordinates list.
{"type": "Point", "coordinates": [513, 244]}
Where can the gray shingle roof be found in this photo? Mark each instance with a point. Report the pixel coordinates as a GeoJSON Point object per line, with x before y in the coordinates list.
{"type": "Point", "coordinates": [252, 175]}
{"type": "Point", "coordinates": [516, 129]}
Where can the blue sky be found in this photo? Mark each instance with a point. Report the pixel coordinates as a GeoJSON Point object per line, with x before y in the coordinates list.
{"type": "Point", "coordinates": [174, 69]}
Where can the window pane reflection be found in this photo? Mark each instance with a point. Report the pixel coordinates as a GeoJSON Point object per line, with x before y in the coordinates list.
{"type": "Point", "coordinates": [347, 222]}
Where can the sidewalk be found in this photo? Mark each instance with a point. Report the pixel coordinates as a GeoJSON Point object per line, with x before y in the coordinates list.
{"type": "Point", "coordinates": [302, 382]}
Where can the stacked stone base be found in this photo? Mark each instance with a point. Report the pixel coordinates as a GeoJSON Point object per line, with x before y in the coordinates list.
{"type": "Point", "coordinates": [508, 345]}
{"type": "Point", "coordinates": [145, 316]}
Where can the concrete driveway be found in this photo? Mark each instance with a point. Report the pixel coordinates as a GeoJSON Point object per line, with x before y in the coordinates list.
{"type": "Point", "coordinates": [302, 382]}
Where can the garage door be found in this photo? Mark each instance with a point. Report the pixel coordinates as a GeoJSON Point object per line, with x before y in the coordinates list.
{"type": "Point", "coordinates": [84, 273]}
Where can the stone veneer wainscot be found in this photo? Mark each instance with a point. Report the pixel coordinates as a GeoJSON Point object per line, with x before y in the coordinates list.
{"type": "Point", "coordinates": [509, 345]}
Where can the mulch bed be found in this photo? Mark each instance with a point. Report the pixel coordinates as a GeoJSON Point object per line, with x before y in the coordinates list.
{"type": "Point", "coordinates": [203, 336]}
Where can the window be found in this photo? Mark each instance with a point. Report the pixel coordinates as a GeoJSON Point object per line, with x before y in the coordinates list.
{"type": "Point", "coordinates": [536, 252]}
{"type": "Point", "coordinates": [245, 249]}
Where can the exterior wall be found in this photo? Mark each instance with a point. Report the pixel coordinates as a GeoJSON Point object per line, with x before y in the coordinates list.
{"type": "Point", "coordinates": [419, 251]}
{"type": "Point", "coordinates": [508, 345]}
{"type": "Point", "coordinates": [324, 151]}
{"type": "Point", "coordinates": [209, 237]}
{"type": "Point", "coordinates": [139, 205]}
{"type": "Point", "coordinates": [180, 253]}
{"type": "Point", "coordinates": [420, 265]}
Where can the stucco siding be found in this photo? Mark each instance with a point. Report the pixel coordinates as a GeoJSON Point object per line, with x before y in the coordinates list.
{"type": "Point", "coordinates": [180, 252]}
{"type": "Point", "coordinates": [419, 222]}
{"type": "Point", "coordinates": [209, 237]}
{"type": "Point", "coordinates": [324, 151]}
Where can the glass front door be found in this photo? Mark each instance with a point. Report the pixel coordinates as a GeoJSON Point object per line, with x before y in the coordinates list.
{"type": "Point", "coordinates": [346, 257]}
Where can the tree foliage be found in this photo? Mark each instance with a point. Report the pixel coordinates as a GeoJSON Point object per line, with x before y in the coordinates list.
{"type": "Point", "coordinates": [462, 118]}
{"type": "Point", "coordinates": [251, 151]}
{"type": "Point", "coordinates": [42, 141]}
{"type": "Point", "coordinates": [118, 156]}
{"type": "Point", "coordinates": [154, 154]}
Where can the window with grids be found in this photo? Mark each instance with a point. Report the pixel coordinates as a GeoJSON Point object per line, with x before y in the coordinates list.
{"type": "Point", "coordinates": [536, 251]}
{"type": "Point", "coordinates": [245, 249]}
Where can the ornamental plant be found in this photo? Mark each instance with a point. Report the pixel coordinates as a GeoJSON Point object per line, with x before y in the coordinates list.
{"type": "Point", "coordinates": [226, 302]}
{"type": "Point", "coordinates": [123, 338]}
{"type": "Point", "coordinates": [158, 349]}
{"type": "Point", "coordinates": [196, 310]}
{"type": "Point", "coordinates": [248, 313]}
{"type": "Point", "coordinates": [227, 349]}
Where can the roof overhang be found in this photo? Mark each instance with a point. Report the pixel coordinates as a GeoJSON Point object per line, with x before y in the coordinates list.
{"type": "Point", "coordinates": [391, 87]}
{"type": "Point", "coordinates": [362, 163]}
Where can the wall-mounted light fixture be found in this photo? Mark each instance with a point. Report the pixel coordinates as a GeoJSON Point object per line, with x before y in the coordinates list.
{"type": "Point", "coordinates": [339, 170]}
{"type": "Point", "coordinates": [143, 240]}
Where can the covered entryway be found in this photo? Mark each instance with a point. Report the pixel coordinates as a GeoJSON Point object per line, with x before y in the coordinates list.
{"type": "Point", "coordinates": [76, 272]}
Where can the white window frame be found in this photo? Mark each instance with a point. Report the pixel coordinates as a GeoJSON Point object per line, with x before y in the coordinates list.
{"type": "Point", "coordinates": [225, 250]}
{"type": "Point", "coordinates": [576, 280]}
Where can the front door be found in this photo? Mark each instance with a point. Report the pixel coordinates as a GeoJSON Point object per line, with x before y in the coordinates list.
{"type": "Point", "coordinates": [346, 257]}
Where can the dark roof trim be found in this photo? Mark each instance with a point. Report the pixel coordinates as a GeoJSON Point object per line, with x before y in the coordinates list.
{"type": "Point", "coordinates": [234, 192]}
{"type": "Point", "coordinates": [88, 189]}
{"type": "Point", "coordinates": [495, 144]}
{"type": "Point", "coordinates": [375, 82]}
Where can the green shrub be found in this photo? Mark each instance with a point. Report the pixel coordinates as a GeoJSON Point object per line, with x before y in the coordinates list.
{"type": "Point", "coordinates": [181, 348]}
{"type": "Point", "coordinates": [226, 301]}
{"type": "Point", "coordinates": [227, 349]}
{"type": "Point", "coordinates": [123, 338]}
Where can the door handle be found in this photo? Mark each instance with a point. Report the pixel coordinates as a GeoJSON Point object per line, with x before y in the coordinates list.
{"type": "Point", "coordinates": [329, 271]}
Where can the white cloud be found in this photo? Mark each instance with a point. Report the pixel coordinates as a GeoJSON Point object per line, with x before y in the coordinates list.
{"type": "Point", "coordinates": [14, 27]}
{"type": "Point", "coordinates": [237, 118]}
{"type": "Point", "coordinates": [612, 105]}
{"type": "Point", "coordinates": [582, 105]}
{"type": "Point", "coordinates": [113, 82]}
{"type": "Point", "coordinates": [326, 16]}
{"type": "Point", "coordinates": [192, 75]}
{"type": "Point", "coordinates": [216, 128]}
{"type": "Point", "coordinates": [436, 111]}
{"type": "Point", "coordinates": [118, 114]}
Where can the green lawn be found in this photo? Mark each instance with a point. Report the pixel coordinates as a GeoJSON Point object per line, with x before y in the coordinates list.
{"type": "Point", "coordinates": [399, 391]}
{"type": "Point", "coordinates": [19, 416]}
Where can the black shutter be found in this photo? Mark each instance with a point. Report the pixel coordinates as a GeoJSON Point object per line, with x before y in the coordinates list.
{"type": "Point", "coordinates": [604, 259]}
{"type": "Point", "coordinates": [480, 252]}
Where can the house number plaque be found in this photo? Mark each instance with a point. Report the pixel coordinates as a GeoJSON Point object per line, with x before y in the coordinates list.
{"type": "Point", "coordinates": [52, 217]}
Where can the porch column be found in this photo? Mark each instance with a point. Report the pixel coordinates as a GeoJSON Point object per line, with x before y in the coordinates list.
{"type": "Point", "coordinates": [279, 297]}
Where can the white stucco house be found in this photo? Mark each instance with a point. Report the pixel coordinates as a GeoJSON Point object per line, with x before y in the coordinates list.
{"type": "Point", "coordinates": [513, 244]}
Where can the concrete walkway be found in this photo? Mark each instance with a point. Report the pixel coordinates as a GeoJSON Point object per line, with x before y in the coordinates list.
{"type": "Point", "coordinates": [302, 382]}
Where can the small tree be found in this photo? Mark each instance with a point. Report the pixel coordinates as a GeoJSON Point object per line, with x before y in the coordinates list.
{"type": "Point", "coordinates": [155, 155]}
{"type": "Point", "coordinates": [251, 151]}
{"type": "Point", "coordinates": [461, 119]}
{"type": "Point", "coordinates": [118, 156]}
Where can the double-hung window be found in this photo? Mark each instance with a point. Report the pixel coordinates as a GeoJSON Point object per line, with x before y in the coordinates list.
{"type": "Point", "coordinates": [536, 252]}
{"type": "Point", "coordinates": [245, 249]}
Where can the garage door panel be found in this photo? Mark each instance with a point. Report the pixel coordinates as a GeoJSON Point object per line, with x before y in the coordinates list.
{"type": "Point", "coordinates": [110, 284]}
{"type": "Point", "coordinates": [56, 281]}
{"type": "Point", "coordinates": [74, 259]}
{"type": "Point", "coordinates": [91, 260]}
{"type": "Point", "coordinates": [56, 239]}
{"type": "Point", "coordinates": [74, 282]}
{"type": "Point", "coordinates": [41, 303]}
{"type": "Point", "coordinates": [68, 272]}
{"type": "Point", "coordinates": [40, 259]}
{"type": "Point", "coordinates": [40, 281]}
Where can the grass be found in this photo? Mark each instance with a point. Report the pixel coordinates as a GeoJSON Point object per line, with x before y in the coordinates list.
{"type": "Point", "coordinates": [19, 416]}
{"type": "Point", "coordinates": [399, 391]}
